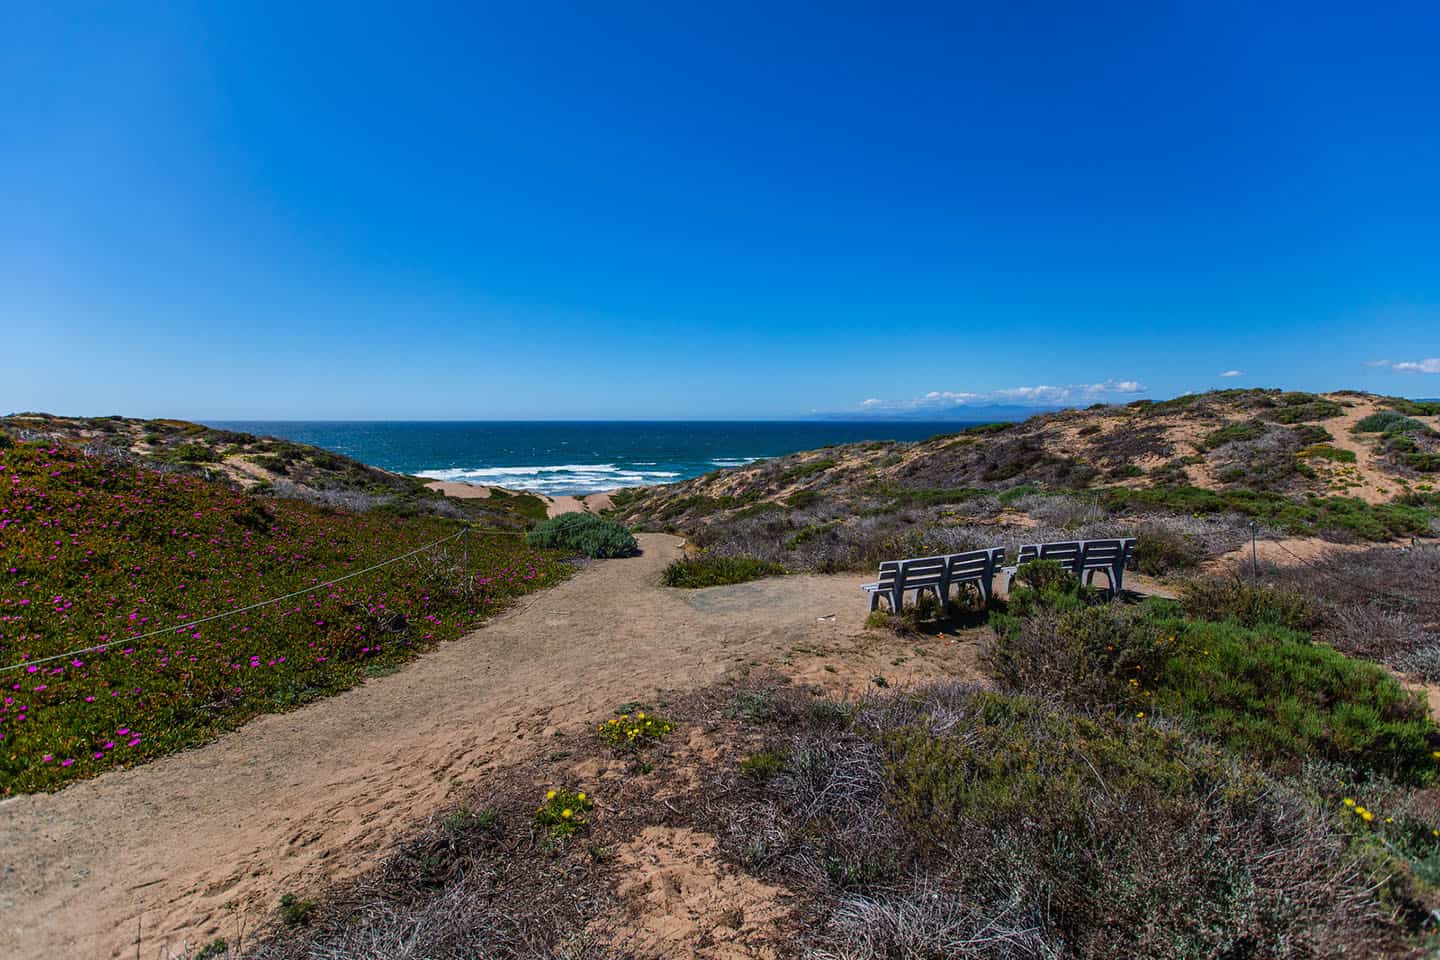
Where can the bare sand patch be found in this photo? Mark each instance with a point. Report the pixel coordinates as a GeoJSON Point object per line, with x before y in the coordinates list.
{"type": "Point", "coordinates": [684, 900]}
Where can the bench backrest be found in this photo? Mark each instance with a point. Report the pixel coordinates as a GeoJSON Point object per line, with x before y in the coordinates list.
{"type": "Point", "coordinates": [1106, 553]}
{"type": "Point", "coordinates": [974, 565]}
{"type": "Point", "coordinates": [922, 571]}
{"type": "Point", "coordinates": [888, 571]}
{"type": "Point", "coordinates": [1067, 552]}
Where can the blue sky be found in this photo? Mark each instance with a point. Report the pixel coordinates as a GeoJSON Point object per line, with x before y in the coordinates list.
{"type": "Point", "coordinates": [619, 210]}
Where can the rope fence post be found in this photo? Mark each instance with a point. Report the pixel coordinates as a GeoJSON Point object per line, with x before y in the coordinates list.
{"type": "Point", "coordinates": [1254, 552]}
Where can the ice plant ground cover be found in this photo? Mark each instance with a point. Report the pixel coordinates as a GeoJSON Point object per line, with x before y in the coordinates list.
{"type": "Point", "coordinates": [98, 552]}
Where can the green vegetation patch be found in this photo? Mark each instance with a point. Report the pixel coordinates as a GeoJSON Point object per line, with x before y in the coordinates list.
{"type": "Point", "coordinates": [1263, 690]}
{"type": "Point", "coordinates": [93, 551]}
{"type": "Point", "coordinates": [1324, 451]}
{"type": "Point", "coordinates": [1413, 408]}
{"type": "Point", "coordinates": [1305, 517]}
{"type": "Point", "coordinates": [584, 533]}
{"type": "Point", "coordinates": [803, 470]}
{"type": "Point", "coordinates": [1233, 432]}
{"type": "Point", "coordinates": [709, 570]}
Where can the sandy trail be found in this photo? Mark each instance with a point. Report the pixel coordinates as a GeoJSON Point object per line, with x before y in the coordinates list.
{"type": "Point", "coordinates": [188, 845]}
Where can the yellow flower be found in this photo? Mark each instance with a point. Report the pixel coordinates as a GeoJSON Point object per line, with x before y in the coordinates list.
{"type": "Point", "coordinates": [1389, 819]}
{"type": "Point", "coordinates": [1435, 833]}
{"type": "Point", "coordinates": [641, 716]}
{"type": "Point", "coordinates": [550, 795]}
{"type": "Point", "coordinates": [1140, 715]}
{"type": "Point", "coordinates": [580, 795]}
{"type": "Point", "coordinates": [1349, 802]}
{"type": "Point", "coordinates": [566, 813]}
{"type": "Point", "coordinates": [1368, 816]}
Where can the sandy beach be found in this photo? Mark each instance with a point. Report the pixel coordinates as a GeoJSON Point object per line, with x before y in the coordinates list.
{"type": "Point", "coordinates": [554, 506]}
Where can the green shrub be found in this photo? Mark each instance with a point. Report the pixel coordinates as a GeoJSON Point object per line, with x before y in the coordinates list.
{"type": "Point", "coordinates": [984, 429]}
{"type": "Point", "coordinates": [295, 912]}
{"type": "Point", "coordinates": [709, 570]}
{"type": "Point", "coordinates": [1272, 695]}
{"type": "Point", "coordinates": [1302, 516]}
{"type": "Point", "coordinates": [804, 470]}
{"type": "Point", "coordinates": [1045, 576]}
{"type": "Point", "coordinates": [1160, 550]}
{"type": "Point", "coordinates": [1309, 434]}
{"type": "Point", "coordinates": [797, 500]}
{"type": "Point", "coordinates": [1022, 760]}
{"type": "Point", "coordinates": [1324, 451]}
{"type": "Point", "coordinates": [1087, 657]}
{"type": "Point", "coordinates": [1389, 421]}
{"type": "Point", "coordinates": [1266, 692]}
{"type": "Point", "coordinates": [1413, 408]}
{"type": "Point", "coordinates": [585, 533]}
{"type": "Point", "coordinates": [764, 765]}
{"type": "Point", "coordinates": [1422, 462]}
{"type": "Point", "coordinates": [1232, 433]}
{"type": "Point", "coordinates": [1299, 407]}
{"type": "Point", "coordinates": [1250, 604]}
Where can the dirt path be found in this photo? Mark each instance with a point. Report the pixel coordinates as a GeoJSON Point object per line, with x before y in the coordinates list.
{"type": "Point", "coordinates": [190, 844]}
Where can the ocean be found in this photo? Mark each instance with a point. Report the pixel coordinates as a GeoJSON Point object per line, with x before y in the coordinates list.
{"type": "Point", "coordinates": [568, 457]}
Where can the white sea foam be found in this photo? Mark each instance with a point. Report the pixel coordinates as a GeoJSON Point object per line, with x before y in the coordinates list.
{"type": "Point", "coordinates": [554, 479]}
{"type": "Point", "coordinates": [733, 461]}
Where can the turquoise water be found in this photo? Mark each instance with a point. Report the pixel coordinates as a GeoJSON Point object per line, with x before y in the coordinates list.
{"type": "Point", "coordinates": [558, 457]}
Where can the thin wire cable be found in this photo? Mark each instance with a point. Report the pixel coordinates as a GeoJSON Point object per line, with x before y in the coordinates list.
{"type": "Point", "coordinates": [230, 613]}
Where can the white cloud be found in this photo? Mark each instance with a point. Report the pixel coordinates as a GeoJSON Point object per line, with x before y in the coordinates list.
{"type": "Point", "coordinates": [1233, 373]}
{"type": "Point", "coordinates": [1037, 396]}
{"type": "Point", "coordinates": [1428, 365]}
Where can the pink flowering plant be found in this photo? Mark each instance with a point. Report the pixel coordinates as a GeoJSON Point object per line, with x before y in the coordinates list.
{"type": "Point", "coordinates": [99, 553]}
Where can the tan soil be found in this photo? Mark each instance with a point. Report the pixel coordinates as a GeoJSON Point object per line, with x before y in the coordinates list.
{"type": "Point", "coordinates": [683, 900]}
{"type": "Point", "coordinates": [195, 843]}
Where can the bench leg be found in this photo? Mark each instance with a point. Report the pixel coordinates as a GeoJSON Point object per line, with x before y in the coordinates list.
{"type": "Point", "coordinates": [874, 601]}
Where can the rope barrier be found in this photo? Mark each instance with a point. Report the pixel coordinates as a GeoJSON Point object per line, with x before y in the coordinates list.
{"type": "Point", "coordinates": [238, 610]}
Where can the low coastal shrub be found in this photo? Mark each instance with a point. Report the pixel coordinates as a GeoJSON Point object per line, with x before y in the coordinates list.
{"type": "Point", "coordinates": [1391, 422]}
{"type": "Point", "coordinates": [1263, 691]}
{"type": "Point", "coordinates": [1160, 549]}
{"type": "Point", "coordinates": [1251, 604]}
{"type": "Point", "coordinates": [1307, 516]}
{"type": "Point", "coordinates": [948, 821]}
{"type": "Point", "coordinates": [1272, 695]}
{"type": "Point", "coordinates": [584, 533]}
{"type": "Point", "coordinates": [714, 570]}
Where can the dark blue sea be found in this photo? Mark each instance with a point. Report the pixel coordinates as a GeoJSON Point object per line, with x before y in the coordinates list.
{"type": "Point", "coordinates": [558, 457]}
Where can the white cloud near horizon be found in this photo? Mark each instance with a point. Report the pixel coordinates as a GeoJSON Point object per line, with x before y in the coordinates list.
{"type": "Point", "coordinates": [1037, 396]}
{"type": "Point", "coordinates": [1233, 373]}
{"type": "Point", "coordinates": [1428, 365]}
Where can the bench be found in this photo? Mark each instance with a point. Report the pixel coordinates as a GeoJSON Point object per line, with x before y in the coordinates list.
{"type": "Point", "coordinates": [1109, 557]}
{"type": "Point", "coordinates": [936, 574]}
{"type": "Point", "coordinates": [977, 567]}
{"type": "Point", "coordinates": [1082, 558]}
